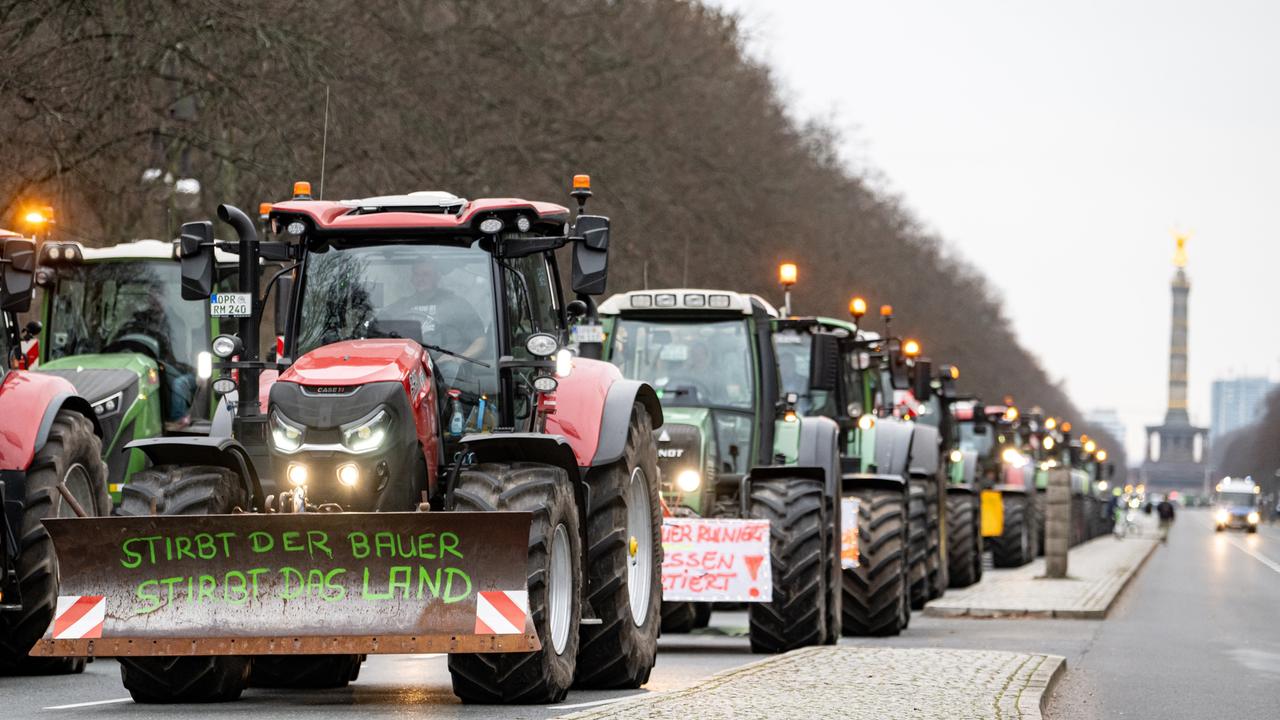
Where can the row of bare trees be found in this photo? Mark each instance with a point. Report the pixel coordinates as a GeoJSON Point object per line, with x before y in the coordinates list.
{"type": "Point", "coordinates": [108, 111]}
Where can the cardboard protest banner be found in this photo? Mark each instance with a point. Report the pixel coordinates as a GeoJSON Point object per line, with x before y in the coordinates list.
{"type": "Point", "coordinates": [848, 533]}
{"type": "Point", "coordinates": [716, 560]}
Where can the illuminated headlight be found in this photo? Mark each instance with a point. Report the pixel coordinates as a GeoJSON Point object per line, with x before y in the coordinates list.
{"type": "Point", "coordinates": [224, 385]}
{"type": "Point", "coordinates": [1253, 517]}
{"type": "Point", "coordinates": [641, 301]}
{"type": "Point", "coordinates": [107, 406]}
{"type": "Point", "coordinates": [523, 224]}
{"type": "Point", "coordinates": [1048, 443]}
{"type": "Point", "coordinates": [956, 456]}
{"type": "Point", "coordinates": [295, 228]}
{"type": "Point", "coordinates": [54, 252]}
{"type": "Point", "coordinates": [866, 422]}
{"type": "Point", "coordinates": [349, 474]}
{"type": "Point", "coordinates": [225, 346]}
{"type": "Point", "coordinates": [492, 226]}
{"type": "Point", "coordinates": [541, 345]}
{"type": "Point", "coordinates": [297, 474]}
{"type": "Point", "coordinates": [204, 365]}
{"type": "Point", "coordinates": [1222, 516]}
{"type": "Point", "coordinates": [564, 362]}
{"type": "Point", "coordinates": [688, 480]}
{"type": "Point", "coordinates": [545, 384]}
{"type": "Point", "coordinates": [286, 436]}
{"type": "Point", "coordinates": [368, 435]}
{"type": "Point", "coordinates": [1013, 457]}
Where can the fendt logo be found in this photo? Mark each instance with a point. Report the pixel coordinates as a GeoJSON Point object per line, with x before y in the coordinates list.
{"type": "Point", "coordinates": [670, 452]}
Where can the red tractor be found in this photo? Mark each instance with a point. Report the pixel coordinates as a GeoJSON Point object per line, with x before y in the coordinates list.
{"type": "Point", "coordinates": [425, 379]}
{"type": "Point", "coordinates": [50, 466]}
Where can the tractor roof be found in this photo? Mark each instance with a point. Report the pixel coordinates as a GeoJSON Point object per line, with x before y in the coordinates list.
{"type": "Point", "coordinates": [416, 213]}
{"type": "Point", "coordinates": [6, 234]}
{"type": "Point", "coordinates": [690, 300]}
{"type": "Point", "coordinates": [828, 322]}
{"type": "Point", "coordinates": [138, 250]}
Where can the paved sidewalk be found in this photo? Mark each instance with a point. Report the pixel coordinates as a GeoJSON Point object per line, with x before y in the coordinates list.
{"type": "Point", "coordinates": [856, 683]}
{"type": "Point", "coordinates": [1098, 570]}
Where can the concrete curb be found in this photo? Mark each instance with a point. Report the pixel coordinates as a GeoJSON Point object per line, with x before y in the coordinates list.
{"type": "Point", "coordinates": [1107, 595]}
{"type": "Point", "coordinates": [1034, 697]}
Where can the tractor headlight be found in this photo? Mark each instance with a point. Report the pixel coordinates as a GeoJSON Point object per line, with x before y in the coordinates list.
{"type": "Point", "coordinates": [564, 362]}
{"type": "Point", "coordinates": [225, 346]}
{"type": "Point", "coordinates": [1253, 517]}
{"type": "Point", "coordinates": [349, 474]}
{"type": "Point", "coordinates": [286, 436]}
{"type": "Point", "coordinates": [956, 456]}
{"type": "Point", "coordinates": [688, 480]}
{"type": "Point", "coordinates": [1222, 516]}
{"type": "Point", "coordinates": [541, 345]}
{"type": "Point", "coordinates": [491, 226]}
{"type": "Point", "coordinates": [367, 435]}
{"type": "Point", "coordinates": [866, 422]}
{"type": "Point", "coordinates": [108, 406]}
{"type": "Point", "coordinates": [297, 474]}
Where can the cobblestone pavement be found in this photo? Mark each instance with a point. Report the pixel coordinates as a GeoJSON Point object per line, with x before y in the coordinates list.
{"type": "Point", "coordinates": [856, 683]}
{"type": "Point", "coordinates": [1097, 571]}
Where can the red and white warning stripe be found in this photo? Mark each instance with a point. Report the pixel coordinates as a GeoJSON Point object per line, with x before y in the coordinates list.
{"type": "Point", "coordinates": [79, 617]}
{"type": "Point", "coordinates": [501, 612]}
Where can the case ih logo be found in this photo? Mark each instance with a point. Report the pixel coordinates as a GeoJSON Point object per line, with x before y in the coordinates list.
{"type": "Point", "coordinates": [329, 389]}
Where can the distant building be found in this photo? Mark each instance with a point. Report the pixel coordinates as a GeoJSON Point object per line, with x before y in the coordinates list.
{"type": "Point", "coordinates": [1109, 420]}
{"type": "Point", "coordinates": [1237, 403]}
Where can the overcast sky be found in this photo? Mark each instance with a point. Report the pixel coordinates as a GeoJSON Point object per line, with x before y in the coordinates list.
{"type": "Point", "coordinates": [1057, 145]}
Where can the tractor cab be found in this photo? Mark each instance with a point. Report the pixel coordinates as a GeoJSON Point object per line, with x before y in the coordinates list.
{"type": "Point", "coordinates": [114, 324]}
{"type": "Point", "coordinates": [707, 354]}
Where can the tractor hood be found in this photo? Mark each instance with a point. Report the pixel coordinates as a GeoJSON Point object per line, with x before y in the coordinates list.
{"type": "Point", "coordinates": [355, 362]}
{"type": "Point", "coordinates": [99, 376]}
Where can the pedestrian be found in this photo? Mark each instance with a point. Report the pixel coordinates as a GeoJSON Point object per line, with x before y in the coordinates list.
{"type": "Point", "coordinates": [1165, 511]}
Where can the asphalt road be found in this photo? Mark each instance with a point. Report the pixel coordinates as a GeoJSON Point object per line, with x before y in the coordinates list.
{"type": "Point", "coordinates": [1195, 635]}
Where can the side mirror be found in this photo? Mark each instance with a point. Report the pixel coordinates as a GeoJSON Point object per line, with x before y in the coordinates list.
{"type": "Point", "coordinates": [922, 381]}
{"type": "Point", "coordinates": [594, 231]}
{"type": "Point", "coordinates": [19, 259]}
{"type": "Point", "coordinates": [196, 243]}
{"type": "Point", "coordinates": [591, 255]}
{"type": "Point", "coordinates": [824, 363]}
{"type": "Point", "coordinates": [979, 428]}
{"type": "Point", "coordinates": [284, 293]}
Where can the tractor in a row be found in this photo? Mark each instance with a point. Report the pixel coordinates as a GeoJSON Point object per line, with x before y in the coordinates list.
{"type": "Point", "coordinates": [432, 471]}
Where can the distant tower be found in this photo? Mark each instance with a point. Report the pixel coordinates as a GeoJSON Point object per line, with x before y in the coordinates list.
{"type": "Point", "coordinates": [1177, 450]}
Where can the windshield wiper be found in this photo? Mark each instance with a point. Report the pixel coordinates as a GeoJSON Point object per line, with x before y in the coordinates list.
{"type": "Point", "coordinates": [451, 353]}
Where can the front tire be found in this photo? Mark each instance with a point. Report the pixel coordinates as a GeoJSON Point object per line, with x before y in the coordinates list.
{"type": "Point", "coordinates": [554, 580]}
{"type": "Point", "coordinates": [304, 671]}
{"type": "Point", "coordinates": [624, 565]}
{"type": "Point", "coordinates": [1015, 547]}
{"type": "Point", "coordinates": [964, 542]}
{"type": "Point", "coordinates": [918, 545]}
{"type": "Point", "coordinates": [177, 490]}
{"type": "Point", "coordinates": [72, 455]}
{"type": "Point", "coordinates": [796, 616]}
{"type": "Point", "coordinates": [875, 599]}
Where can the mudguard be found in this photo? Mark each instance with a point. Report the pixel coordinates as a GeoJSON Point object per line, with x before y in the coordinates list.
{"type": "Point", "coordinates": [893, 447]}
{"type": "Point", "coordinates": [924, 451]}
{"type": "Point", "coordinates": [616, 418]}
{"type": "Point", "coordinates": [523, 447]}
{"type": "Point", "coordinates": [852, 482]}
{"type": "Point", "coordinates": [217, 451]}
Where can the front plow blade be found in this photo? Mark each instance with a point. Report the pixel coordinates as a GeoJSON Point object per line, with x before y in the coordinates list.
{"type": "Point", "coordinates": [313, 583]}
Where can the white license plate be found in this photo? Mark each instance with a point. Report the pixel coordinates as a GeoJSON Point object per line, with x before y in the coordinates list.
{"type": "Point", "coordinates": [229, 305]}
{"type": "Point", "coordinates": [588, 333]}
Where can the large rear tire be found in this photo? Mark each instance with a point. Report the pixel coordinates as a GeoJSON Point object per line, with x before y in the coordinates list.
{"type": "Point", "coordinates": [935, 563]}
{"type": "Point", "coordinates": [177, 490]}
{"type": "Point", "coordinates": [72, 455]}
{"type": "Point", "coordinates": [796, 616]}
{"type": "Point", "coordinates": [875, 593]}
{"type": "Point", "coordinates": [1015, 547]}
{"type": "Point", "coordinates": [964, 541]}
{"type": "Point", "coordinates": [624, 565]}
{"type": "Point", "coordinates": [917, 544]}
{"type": "Point", "coordinates": [554, 580]}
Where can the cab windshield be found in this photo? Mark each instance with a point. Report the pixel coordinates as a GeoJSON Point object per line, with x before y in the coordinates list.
{"type": "Point", "coordinates": [794, 350]}
{"type": "Point", "coordinates": [133, 306]}
{"type": "Point", "coordinates": [441, 297]}
{"type": "Point", "coordinates": [1237, 499]}
{"type": "Point", "coordinates": [696, 364]}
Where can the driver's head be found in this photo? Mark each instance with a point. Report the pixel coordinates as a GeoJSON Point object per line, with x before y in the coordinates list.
{"type": "Point", "coordinates": [426, 277]}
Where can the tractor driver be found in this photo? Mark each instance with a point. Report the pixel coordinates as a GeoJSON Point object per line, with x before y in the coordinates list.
{"type": "Point", "coordinates": [448, 320]}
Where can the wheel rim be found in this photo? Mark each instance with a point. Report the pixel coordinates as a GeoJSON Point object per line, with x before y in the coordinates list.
{"type": "Point", "coordinates": [76, 480]}
{"type": "Point", "coordinates": [639, 546]}
{"type": "Point", "coordinates": [560, 589]}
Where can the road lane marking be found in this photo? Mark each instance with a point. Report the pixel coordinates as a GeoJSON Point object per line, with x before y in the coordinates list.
{"type": "Point", "coordinates": [593, 703]}
{"type": "Point", "coordinates": [1257, 556]}
{"type": "Point", "coordinates": [88, 704]}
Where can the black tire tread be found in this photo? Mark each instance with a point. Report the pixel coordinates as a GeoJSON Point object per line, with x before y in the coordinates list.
{"type": "Point", "coordinates": [873, 601]}
{"type": "Point", "coordinates": [796, 616]}
{"type": "Point", "coordinates": [964, 541]}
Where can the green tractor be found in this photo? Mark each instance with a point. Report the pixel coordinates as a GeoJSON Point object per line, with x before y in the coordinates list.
{"type": "Point", "coordinates": [1054, 448]}
{"type": "Point", "coordinates": [733, 446]}
{"type": "Point", "coordinates": [1005, 470]}
{"type": "Point", "coordinates": [114, 324]}
{"type": "Point", "coordinates": [961, 492]}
